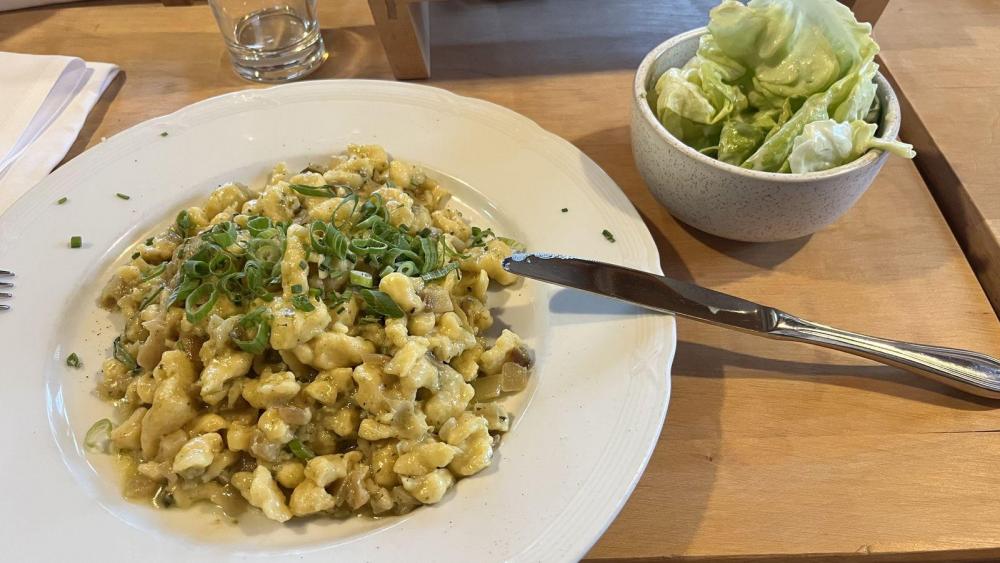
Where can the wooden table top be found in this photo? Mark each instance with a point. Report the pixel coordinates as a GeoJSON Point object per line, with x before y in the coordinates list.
{"type": "Point", "coordinates": [944, 57]}
{"type": "Point", "coordinates": [771, 450]}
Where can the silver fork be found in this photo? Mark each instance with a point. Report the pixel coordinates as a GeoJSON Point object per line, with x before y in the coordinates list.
{"type": "Point", "coordinates": [5, 285]}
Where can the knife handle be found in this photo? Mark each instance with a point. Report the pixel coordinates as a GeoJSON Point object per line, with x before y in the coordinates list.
{"type": "Point", "coordinates": [969, 371]}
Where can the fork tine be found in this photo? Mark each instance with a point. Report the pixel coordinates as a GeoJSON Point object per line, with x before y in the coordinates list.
{"type": "Point", "coordinates": [4, 307]}
{"type": "Point", "coordinates": [5, 285]}
{"type": "Point", "coordinates": [6, 273]}
{"type": "Point", "coordinates": [5, 296]}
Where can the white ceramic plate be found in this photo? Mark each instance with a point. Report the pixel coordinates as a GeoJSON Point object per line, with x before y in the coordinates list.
{"type": "Point", "coordinates": [583, 430]}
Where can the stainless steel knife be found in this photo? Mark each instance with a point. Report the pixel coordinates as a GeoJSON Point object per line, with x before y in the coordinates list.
{"type": "Point", "coordinates": [972, 372]}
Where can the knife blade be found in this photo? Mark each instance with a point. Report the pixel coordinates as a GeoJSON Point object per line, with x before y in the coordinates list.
{"type": "Point", "coordinates": [969, 371]}
{"type": "Point", "coordinates": [651, 291]}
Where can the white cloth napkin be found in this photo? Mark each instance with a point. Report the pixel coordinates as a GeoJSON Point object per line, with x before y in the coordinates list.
{"type": "Point", "coordinates": [44, 99]}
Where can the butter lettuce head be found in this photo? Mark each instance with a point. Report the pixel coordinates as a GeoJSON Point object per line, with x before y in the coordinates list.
{"type": "Point", "coordinates": [766, 70]}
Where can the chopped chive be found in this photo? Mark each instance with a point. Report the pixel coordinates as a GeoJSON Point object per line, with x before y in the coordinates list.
{"type": "Point", "coordinates": [75, 242]}
{"type": "Point", "coordinates": [300, 450]}
{"type": "Point", "coordinates": [98, 437]}
{"type": "Point", "coordinates": [565, 209]}
{"type": "Point", "coordinates": [164, 134]}
{"type": "Point", "coordinates": [297, 288]}
{"type": "Point", "coordinates": [315, 191]}
{"type": "Point", "coordinates": [123, 356]}
{"type": "Point", "coordinates": [135, 255]}
{"type": "Point", "coordinates": [120, 195]}
{"type": "Point", "coordinates": [150, 297]}
{"type": "Point", "coordinates": [303, 265]}
{"type": "Point", "coordinates": [73, 361]}
{"type": "Point", "coordinates": [62, 200]}
{"type": "Point", "coordinates": [301, 302]}
{"type": "Point", "coordinates": [149, 241]}
{"type": "Point", "coordinates": [607, 234]}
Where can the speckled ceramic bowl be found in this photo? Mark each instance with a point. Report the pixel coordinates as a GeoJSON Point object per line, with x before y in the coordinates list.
{"type": "Point", "coordinates": [730, 201]}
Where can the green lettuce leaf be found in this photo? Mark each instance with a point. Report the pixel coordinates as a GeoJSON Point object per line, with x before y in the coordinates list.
{"type": "Point", "coordinates": [826, 144]}
{"type": "Point", "coordinates": [764, 72]}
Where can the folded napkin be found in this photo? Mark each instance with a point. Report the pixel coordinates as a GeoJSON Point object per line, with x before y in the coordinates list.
{"type": "Point", "coordinates": [45, 100]}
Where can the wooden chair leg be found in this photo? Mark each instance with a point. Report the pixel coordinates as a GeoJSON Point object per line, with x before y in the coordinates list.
{"type": "Point", "coordinates": [403, 26]}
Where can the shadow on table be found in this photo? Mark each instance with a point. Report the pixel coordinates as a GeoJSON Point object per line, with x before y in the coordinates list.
{"type": "Point", "coordinates": [474, 39]}
{"type": "Point", "coordinates": [767, 255]}
{"type": "Point", "coordinates": [700, 360]}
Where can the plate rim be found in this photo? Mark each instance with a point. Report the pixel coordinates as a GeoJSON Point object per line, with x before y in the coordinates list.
{"type": "Point", "coordinates": [662, 357]}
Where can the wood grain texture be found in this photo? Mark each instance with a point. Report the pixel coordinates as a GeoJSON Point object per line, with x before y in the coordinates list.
{"type": "Point", "coordinates": [771, 451]}
{"type": "Point", "coordinates": [943, 56]}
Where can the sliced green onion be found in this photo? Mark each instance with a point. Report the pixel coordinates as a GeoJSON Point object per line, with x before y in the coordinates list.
{"type": "Point", "coordinates": [327, 239]}
{"type": "Point", "coordinates": [315, 191]}
{"type": "Point", "coordinates": [364, 279]}
{"type": "Point", "coordinates": [428, 247]}
{"type": "Point", "coordinates": [299, 450]}
{"type": "Point", "coordinates": [183, 222]}
{"type": "Point", "coordinates": [120, 195]}
{"type": "Point", "coordinates": [440, 272]}
{"type": "Point", "coordinates": [296, 288]}
{"type": "Point", "coordinates": [62, 200]}
{"type": "Point", "coordinates": [381, 304]}
{"type": "Point", "coordinates": [302, 303]}
{"type": "Point", "coordinates": [315, 292]}
{"type": "Point", "coordinates": [221, 264]}
{"type": "Point", "coordinates": [255, 323]}
{"type": "Point", "coordinates": [150, 297]}
{"type": "Point", "coordinates": [408, 268]}
{"type": "Point", "coordinates": [223, 234]}
{"type": "Point", "coordinates": [196, 269]}
{"type": "Point", "coordinates": [75, 242]}
{"type": "Point", "coordinates": [149, 241]}
{"type": "Point", "coordinates": [367, 246]}
{"type": "Point", "coordinates": [135, 255]}
{"type": "Point", "coordinates": [73, 361]}
{"type": "Point", "coordinates": [231, 285]}
{"type": "Point", "coordinates": [99, 436]}
{"type": "Point", "coordinates": [607, 234]}
{"type": "Point", "coordinates": [350, 197]}
{"type": "Point", "coordinates": [479, 236]}
{"type": "Point", "coordinates": [182, 291]}
{"type": "Point", "coordinates": [565, 209]}
{"type": "Point", "coordinates": [258, 225]}
{"type": "Point", "coordinates": [199, 303]}
{"type": "Point", "coordinates": [266, 250]}
{"type": "Point", "coordinates": [154, 272]}
{"type": "Point", "coordinates": [122, 355]}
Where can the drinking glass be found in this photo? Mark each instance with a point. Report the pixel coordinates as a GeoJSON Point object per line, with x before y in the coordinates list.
{"type": "Point", "coordinates": [271, 40]}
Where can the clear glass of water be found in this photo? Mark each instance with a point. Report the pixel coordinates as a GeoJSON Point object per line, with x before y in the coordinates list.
{"type": "Point", "coordinates": [271, 40]}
